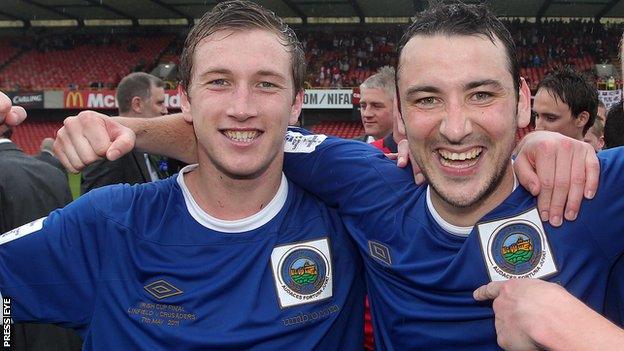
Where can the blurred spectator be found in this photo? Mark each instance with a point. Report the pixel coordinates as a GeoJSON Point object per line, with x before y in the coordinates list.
{"type": "Point", "coordinates": [614, 126]}
{"type": "Point", "coordinates": [614, 305]}
{"type": "Point", "coordinates": [566, 102]}
{"type": "Point", "coordinates": [30, 189]}
{"type": "Point", "coordinates": [377, 100]}
{"type": "Point", "coordinates": [595, 135]}
{"type": "Point", "coordinates": [602, 112]}
{"type": "Point", "coordinates": [47, 155]}
{"type": "Point", "coordinates": [138, 95]}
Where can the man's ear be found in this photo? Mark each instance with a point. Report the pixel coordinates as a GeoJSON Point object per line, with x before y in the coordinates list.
{"type": "Point", "coordinates": [295, 110]}
{"type": "Point", "coordinates": [185, 104]}
{"type": "Point", "coordinates": [136, 104]}
{"type": "Point", "coordinates": [601, 142]}
{"type": "Point", "coordinates": [524, 104]}
{"type": "Point", "coordinates": [582, 119]}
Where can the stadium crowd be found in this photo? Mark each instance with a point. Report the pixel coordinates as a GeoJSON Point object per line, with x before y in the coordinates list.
{"type": "Point", "coordinates": [335, 57]}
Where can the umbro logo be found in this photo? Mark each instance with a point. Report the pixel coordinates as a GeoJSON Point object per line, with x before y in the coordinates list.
{"type": "Point", "coordinates": [161, 289]}
{"type": "Point", "coordinates": [380, 252]}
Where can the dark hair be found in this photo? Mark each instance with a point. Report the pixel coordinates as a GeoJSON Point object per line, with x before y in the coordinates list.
{"type": "Point", "coordinates": [614, 126]}
{"type": "Point", "coordinates": [463, 19]}
{"type": "Point", "coordinates": [242, 15]}
{"type": "Point", "coordinates": [135, 84]}
{"type": "Point", "coordinates": [573, 89]}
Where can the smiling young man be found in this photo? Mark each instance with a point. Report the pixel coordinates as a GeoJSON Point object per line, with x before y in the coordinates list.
{"type": "Point", "coordinates": [228, 255]}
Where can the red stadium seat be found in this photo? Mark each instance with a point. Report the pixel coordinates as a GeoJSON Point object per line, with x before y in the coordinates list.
{"type": "Point", "coordinates": [28, 135]}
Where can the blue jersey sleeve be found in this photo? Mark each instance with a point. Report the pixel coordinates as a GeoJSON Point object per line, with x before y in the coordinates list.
{"type": "Point", "coordinates": [50, 267]}
{"type": "Point", "coordinates": [604, 214]}
{"type": "Point", "coordinates": [350, 175]}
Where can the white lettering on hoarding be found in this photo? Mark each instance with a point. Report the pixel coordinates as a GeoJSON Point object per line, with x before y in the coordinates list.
{"type": "Point", "coordinates": [328, 99]}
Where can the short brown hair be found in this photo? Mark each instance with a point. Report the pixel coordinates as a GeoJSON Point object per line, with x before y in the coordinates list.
{"type": "Point", "coordinates": [238, 15]}
{"type": "Point", "coordinates": [136, 84]}
{"type": "Point", "coordinates": [384, 79]}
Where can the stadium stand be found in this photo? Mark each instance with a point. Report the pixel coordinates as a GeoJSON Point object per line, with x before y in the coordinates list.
{"type": "Point", "coordinates": [336, 59]}
{"type": "Point", "coordinates": [348, 58]}
{"type": "Point", "coordinates": [81, 62]}
{"type": "Point", "coordinates": [28, 135]}
{"type": "Point", "coordinates": [347, 130]}
{"type": "Point", "coordinates": [8, 50]}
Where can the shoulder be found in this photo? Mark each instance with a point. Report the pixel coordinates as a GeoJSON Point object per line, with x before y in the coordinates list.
{"type": "Point", "coordinates": [611, 167]}
{"type": "Point", "coordinates": [129, 201]}
{"type": "Point", "coordinates": [18, 162]}
{"type": "Point", "coordinates": [301, 141]}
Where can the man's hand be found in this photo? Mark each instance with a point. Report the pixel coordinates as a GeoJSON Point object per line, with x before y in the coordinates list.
{"type": "Point", "coordinates": [10, 115]}
{"type": "Point", "coordinates": [89, 136]}
{"type": "Point", "coordinates": [516, 305]}
{"type": "Point", "coordinates": [556, 168]}
{"type": "Point", "coordinates": [532, 314]}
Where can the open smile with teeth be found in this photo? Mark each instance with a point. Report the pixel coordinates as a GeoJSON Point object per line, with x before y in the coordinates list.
{"type": "Point", "coordinates": [460, 159]}
{"type": "Point", "coordinates": [242, 136]}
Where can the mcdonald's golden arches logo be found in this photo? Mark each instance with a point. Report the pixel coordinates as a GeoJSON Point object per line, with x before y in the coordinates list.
{"type": "Point", "coordinates": [74, 99]}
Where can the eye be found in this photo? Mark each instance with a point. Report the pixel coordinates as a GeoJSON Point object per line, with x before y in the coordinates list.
{"type": "Point", "coordinates": [547, 118]}
{"type": "Point", "coordinates": [428, 101]}
{"type": "Point", "coordinates": [481, 96]}
{"type": "Point", "coordinates": [218, 82]}
{"type": "Point", "coordinates": [267, 85]}
{"type": "Point", "coordinates": [550, 118]}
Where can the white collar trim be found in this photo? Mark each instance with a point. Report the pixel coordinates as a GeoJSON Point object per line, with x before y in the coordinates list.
{"type": "Point", "coordinates": [236, 226]}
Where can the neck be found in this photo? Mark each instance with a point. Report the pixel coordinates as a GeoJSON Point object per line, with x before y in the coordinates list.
{"type": "Point", "coordinates": [468, 216]}
{"type": "Point", "coordinates": [227, 198]}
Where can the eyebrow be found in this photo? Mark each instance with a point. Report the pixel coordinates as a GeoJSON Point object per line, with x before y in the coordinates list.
{"type": "Point", "coordinates": [262, 73]}
{"type": "Point", "coordinates": [269, 73]}
{"type": "Point", "coordinates": [471, 85]}
{"type": "Point", "coordinates": [422, 89]}
{"type": "Point", "coordinates": [214, 71]}
{"type": "Point", "coordinates": [491, 82]}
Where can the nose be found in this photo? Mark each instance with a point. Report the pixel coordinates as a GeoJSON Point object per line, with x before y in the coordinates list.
{"type": "Point", "coordinates": [456, 124]}
{"type": "Point", "coordinates": [242, 105]}
{"type": "Point", "coordinates": [366, 111]}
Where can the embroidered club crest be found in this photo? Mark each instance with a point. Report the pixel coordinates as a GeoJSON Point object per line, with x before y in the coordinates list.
{"type": "Point", "coordinates": [516, 247]}
{"type": "Point", "coordinates": [302, 272]}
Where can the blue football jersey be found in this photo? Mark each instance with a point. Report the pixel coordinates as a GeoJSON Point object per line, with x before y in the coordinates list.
{"type": "Point", "coordinates": [144, 268]}
{"type": "Point", "coordinates": [420, 276]}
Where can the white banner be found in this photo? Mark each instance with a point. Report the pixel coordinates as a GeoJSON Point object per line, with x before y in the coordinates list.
{"type": "Point", "coordinates": [610, 97]}
{"type": "Point", "coordinates": [328, 99]}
